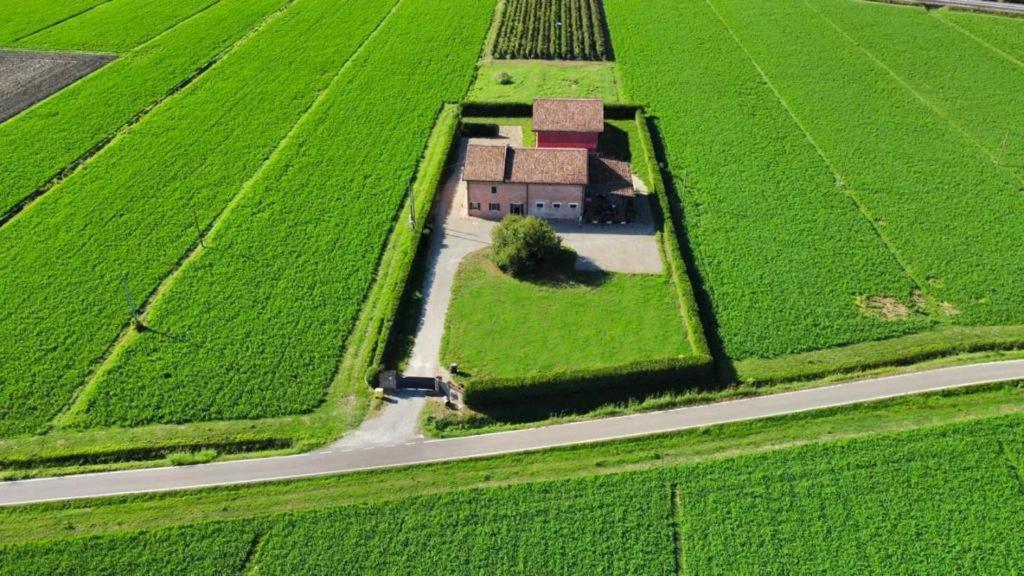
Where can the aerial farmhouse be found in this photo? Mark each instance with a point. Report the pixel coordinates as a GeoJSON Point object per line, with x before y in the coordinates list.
{"type": "Point", "coordinates": [563, 178]}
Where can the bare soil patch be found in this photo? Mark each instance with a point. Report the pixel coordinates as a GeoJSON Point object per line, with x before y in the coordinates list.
{"type": "Point", "coordinates": [883, 307]}
{"type": "Point", "coordinates": [28, 77]}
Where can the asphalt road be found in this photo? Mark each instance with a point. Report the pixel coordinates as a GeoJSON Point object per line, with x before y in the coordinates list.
{"type": "Point", "coordinates": [337, 460]}
{"type": "Point", "coordinates": [983, 5]}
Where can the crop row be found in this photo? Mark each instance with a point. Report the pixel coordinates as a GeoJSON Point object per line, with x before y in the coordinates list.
{"type": "Point", "coordinates": [949, 210]}
{"type": "Point", "coordinates": [991, 118]}
{"type": "Point", "coordinates": [257, 321]}
{"type": "Point", "coordinates": [115, 26]}
{"type": "Point", "coordinates": [42, 141]}
{"type": "Point", "coordinates": [773, 234]}
{"type": "Point", "coordinates": [137, 208]}
{"type": "Point", "coordinates": [27, 16]}
{"type": "Point", "coordinates": [552, 30]}
{"type": "Point", "coordinates": [941, 501]}
{"type": "Point", "coordinates": [214, 549]}
{"type": "Point", "coordinates": [1000, 32]}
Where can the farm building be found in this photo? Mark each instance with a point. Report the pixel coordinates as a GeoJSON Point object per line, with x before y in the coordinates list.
{"type": "Point", "coordinates": [543, 182]}
{"type": "Point", "coordinates": [568, 123]}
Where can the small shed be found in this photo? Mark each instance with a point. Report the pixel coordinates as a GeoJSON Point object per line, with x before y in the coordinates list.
{"type": "Point", "coordinates": [568, 123]}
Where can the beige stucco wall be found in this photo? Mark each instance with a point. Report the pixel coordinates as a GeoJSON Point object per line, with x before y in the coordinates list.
{"type": "Point", "coordinates": [537, 199]}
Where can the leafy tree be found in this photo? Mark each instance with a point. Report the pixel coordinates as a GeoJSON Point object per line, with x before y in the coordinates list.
{"type": "Point", "coordinates": [522, 246]}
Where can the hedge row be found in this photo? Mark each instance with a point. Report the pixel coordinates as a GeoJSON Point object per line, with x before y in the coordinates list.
{"type": "Point", "coordinates": [641, 377]}
{"type": "Point", "coordinates": [525, 109]}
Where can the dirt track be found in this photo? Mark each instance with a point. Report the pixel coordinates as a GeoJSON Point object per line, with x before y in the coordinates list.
{"type": "Point", "coordinates": [28, 77]}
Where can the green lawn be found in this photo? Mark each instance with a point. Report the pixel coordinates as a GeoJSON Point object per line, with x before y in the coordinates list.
{"type": "Point", "coordinates": [535, 79]}
{"type": "Point", "coordinates": [498, 326]}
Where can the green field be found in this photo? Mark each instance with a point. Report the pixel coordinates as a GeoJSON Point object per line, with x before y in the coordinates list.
{"type": "Point", "coordinates": [815, 225]}
{"type": "Point", "coordinates": [669, 504]}
{"type": "Point", "coordinates": [552, 79]}
{"type": "Point", "coordinates": [24, 17]}
{"type": "Point", "coordinates": [498, 326]}
{"type": "Point", "coordinates": [115, 26]}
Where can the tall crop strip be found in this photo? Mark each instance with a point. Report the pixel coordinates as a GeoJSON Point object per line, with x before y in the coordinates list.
{"type": "Point", "coordinates": [254, 326]}
{"type": "Point", "coordinates": [947, 209]}
{"type": "Point", "coordinates": [23, 17]}
{"type": "Point", "coordinates": [902, 37]}
{"type": "Point", "coordinates": [782, 250]}
{"type": "Point", "coordinates": [134, 210]}
{"type": "Point", "coordinates": [941, 501]}
{"type": "Point", "coordinates": [39, 143]}
{"type": "Point", "coordinates": [1003, 34]}
{"type": "Point", "coordinates": [215, 549]}
{"type": "Point", "coordinates": [602, 525]}
{"type": "Point", "coordinates": [115, 26]}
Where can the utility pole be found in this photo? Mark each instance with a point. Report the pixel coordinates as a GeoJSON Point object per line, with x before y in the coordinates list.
{"type": "Point", "coordinates": [131, 301]}
{"type": "Point", "coordinates": [199, 231]}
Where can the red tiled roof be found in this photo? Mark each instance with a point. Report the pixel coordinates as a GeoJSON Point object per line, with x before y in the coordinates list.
{"type": "Point", "coordinates": [547, 166]}
{"type": "Point", "coordinates": [568, 115]}
{"type": "Point", "coordinates": [485, 163]}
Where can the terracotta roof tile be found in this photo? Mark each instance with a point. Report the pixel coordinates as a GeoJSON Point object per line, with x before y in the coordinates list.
{"type": "Point", "coordinates": [568, 115]}
{"type": "Point", "coordinates": [485, 163]}
{"type": "Point", "coordinates": [547, 166]}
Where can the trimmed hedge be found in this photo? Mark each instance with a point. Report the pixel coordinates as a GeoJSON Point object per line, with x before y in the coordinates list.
{"type": "Point", "coordinates": [638, 378]}
{"type": "Point", "coordinates": [525, 109]}
{"type": "Point", "coordinates": [645, 377]}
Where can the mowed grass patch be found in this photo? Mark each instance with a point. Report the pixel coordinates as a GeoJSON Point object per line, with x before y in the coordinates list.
{"type": "Point", "coordinates": [519, 81]}
{"type": "Point", "coordinates": [498, 326]}
{"type": "Point", "coordinates": [944, 207]}
{"type": "Point", "coordinates": [23, 17]}
{"type": "Point", "coordinates": [782, 252]}
{"type": "Point", "coordinates": [942, 501]}
{"type": "Point", "coordinates": [115, 26]}
{"type": "Point", "coordinates": [255, 325]}
{"type": "Point", "coordinates": [42, 142]}
{"type": "Point", "coordinates": [134, 211]}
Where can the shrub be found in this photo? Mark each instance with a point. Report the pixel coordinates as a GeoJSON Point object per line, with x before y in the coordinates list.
{"type": "Point", "coordinates": [523, 246]}
{"type": "Point", "coordinates": [504, 78]}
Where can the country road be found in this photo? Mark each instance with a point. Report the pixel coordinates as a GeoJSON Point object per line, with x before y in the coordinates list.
{"type": "Point", "coordinates": [339, 459]}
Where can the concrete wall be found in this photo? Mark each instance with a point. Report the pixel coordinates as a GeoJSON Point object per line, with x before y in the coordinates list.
{"type": "Point", "coordinates": [586, 140]}
{"type": "Point", "coordinates": [537, 200]}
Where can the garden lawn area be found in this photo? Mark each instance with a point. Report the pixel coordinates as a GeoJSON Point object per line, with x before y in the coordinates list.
{"type": "Point", "coordinates": [540, 79]}
{"type": "Point", "coordinates": [498, 326]}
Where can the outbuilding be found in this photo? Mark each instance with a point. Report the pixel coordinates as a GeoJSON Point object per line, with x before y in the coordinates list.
{"type": "Point", "coordinates": [568, 123]}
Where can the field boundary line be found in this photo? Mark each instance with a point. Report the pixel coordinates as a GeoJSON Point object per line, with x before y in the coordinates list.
{"type": "Point", "coordinates": [978, 39]}
{"type": "Point", "coordinates": [1013, 464]}
{"type": "Point", "coordinates": [677, 536]}
{"type": "Point", "coordinates": [913, 91]}
{"type": "Point", "coordinates": [61, 21]}
{"type": "Point", "coordinates": [175, 24]}
{"type": "Point", "coordinates": [81, 399]}
{"type": "Point", "coordinates": [247, 565]}
{"type": "Point", "coordinates": [836, 173]}
{"type": "Point", "coordinates": [78, 163]}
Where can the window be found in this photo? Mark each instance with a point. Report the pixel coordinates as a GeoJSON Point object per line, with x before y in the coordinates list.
{"type": "Point", "coordinates": [573, 206]}
{"type": "Point", "coordinates": [474, 205]}
{"type": "Point", "coordinates": [494, 189]}
{"type": "Point", "coordinates": [539, 205]}
{"type": "Point", "coordinates": [494, 207]}
{"type": "Point", "coordinates": [557, 205]}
